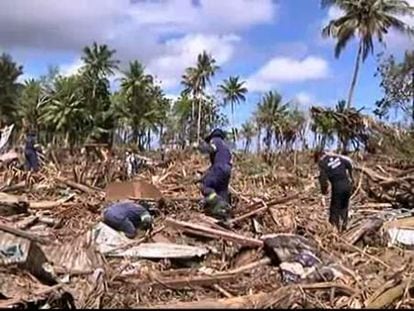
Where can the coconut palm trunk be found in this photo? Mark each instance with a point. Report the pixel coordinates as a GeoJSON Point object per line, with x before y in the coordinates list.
{"type": "Point", "coordinates": [199, 119]}
{"type": "Point", "coordinates": [412, 107]}
{"type": "Point", "coordinates": [232, 123]}
{"type": "Point", "coordinates": [355, 75]}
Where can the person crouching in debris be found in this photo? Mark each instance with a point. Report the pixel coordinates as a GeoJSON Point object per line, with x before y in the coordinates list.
{"type": "Point", "coordinates": [337, 169]}
{"type": "Point", "coordinates": [30, 152]}
{"type": "Point", "coordinates": [127, 217]}
{"type": "Point", "coordinates": [215, 182]}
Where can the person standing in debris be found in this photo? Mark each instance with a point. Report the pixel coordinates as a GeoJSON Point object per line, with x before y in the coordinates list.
{"type": "Point", "coordinates": [133, 163]}
{"type": "Point", "coordinates": [130, 163]}
{"type": "Point", "coordinates": [337, 169]}
{"type": "Point", "coordinates": [215, 182]}
{"type": "Point", "coordinates": [30, 152]}
{"type": "Point", "coordinates": [127, 217]}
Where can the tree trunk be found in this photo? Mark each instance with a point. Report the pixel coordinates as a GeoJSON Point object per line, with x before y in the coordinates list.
{"type": "Point", "coordinates": [161, 136]}
{"type": "Point", "coordinates": [149, 139]}
{"type": "Point", "coordinates": [412, 107]}
{"type": "Point", "coordinates": [193, 108]}
{"type": "Point", "coordinates": [125, 136]}
{"type": "Point", "coordinates": [233, 128]}
{"type": "Point", "coordinates": [247, 147]}
{"type": "Point", "coordinates": [269, 137]}
{"type": "Point", "coordinates": [355, 75]}
{"type": "Point", "coordinates": [199, 118]}
{"type": "Point", "coordinates": [136, 136]}
{"type": "Point", "coordinates": [259, 139]}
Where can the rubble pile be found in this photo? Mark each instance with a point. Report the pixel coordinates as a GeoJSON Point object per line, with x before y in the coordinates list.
{"type": "Point", "coordinates": [278, 250]}
{"type": "Point", "coordinates": [391, 184]}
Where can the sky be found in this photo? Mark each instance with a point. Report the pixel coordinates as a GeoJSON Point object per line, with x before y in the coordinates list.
{"type": "Point", "coordinates": [272, 45]}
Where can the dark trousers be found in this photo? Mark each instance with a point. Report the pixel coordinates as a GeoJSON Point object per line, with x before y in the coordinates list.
{"type": "Point", "coordinates": [217, 179]}
{"type": "Point", "coordinates": [122, 224]}
{"type": "Point", "coordinates": [338, 211]}
{"type": "Point", "coordinates": [32, 161]}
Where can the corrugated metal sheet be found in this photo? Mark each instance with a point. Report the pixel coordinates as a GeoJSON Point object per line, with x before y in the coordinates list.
{"type": "Point", "coordinates": [79, 254]}
{"type": "Point", "coordinates": [13, 249]}
{"type": "Point", "coordinates": [138, 189]}
{"type": "Point", "coordinates": [27, 254]}
{"type": "Point", "coordinates": [161, 250]}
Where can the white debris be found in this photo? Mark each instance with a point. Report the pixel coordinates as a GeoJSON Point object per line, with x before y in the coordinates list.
{"type": "Point", "coordinates": [401, 236]}
{"type": "Point", "coordinates": [112, 243]}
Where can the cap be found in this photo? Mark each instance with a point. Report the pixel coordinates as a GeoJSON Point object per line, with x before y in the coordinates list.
{"type": "Point", "coordinates": [146, 218]}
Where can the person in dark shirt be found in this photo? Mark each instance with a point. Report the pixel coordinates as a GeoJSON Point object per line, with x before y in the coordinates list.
{"type": "Point", "coordinates": [215, 182]}
{"type": "Point", "coordinates": [127, 217]}
{"type": "Point", "coordinates": [30, 152]}
{"type": "Point", "coordinates": [337, 170]}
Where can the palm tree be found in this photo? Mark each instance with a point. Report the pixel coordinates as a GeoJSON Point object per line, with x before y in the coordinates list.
{"type": "Point", "coordinates": [340, 129]}
{"type": "Point", "coordinates": [135, 88]}
{"type": "Point", "coordinates": [191, 86]}
{"type": "Point", "coordinates": [323, 127]}
{"type": "Point", "coordinates": [99, 60]}
{"type": "Point", "coordinates": [196, 79]}
{"type": "Point", "coordinates": [366, 20]}
{"type": "Point", "coordinates": [270, 114]}
{"type": "Point", "coordinates": [33, 96]}
{"type": "Point", "coordinates": [9, 89]}
{"type": "Point", "coordinates": [293, 127]}
{"type": "Point", "coordinates": [99, 64]}
{"type": "Point", "coordinates": [248, 131]}
{"type": "Point", "coordinates": [144, 107]}
{"type": "Point", "coordinates": [182, 110]}
{"type": "Point", "coordinates": [65, 113]}
{"type": "Point", "coordinates": [234, 92]}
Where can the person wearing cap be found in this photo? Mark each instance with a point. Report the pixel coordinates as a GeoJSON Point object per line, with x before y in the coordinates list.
{"type": "Point", "coordinates": [30, 152]}
{"type": "Point", "coordinates": [127, 217]}
{"type": "Point", "coordinates": [215, 182]}
{"type": "Point", "coordinates": [337, 169]}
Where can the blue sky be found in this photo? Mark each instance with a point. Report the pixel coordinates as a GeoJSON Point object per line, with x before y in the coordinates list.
{"type": "Point", "coordinates": [273, 45]}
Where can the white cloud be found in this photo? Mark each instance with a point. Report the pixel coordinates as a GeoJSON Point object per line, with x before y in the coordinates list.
{"type": "Point", "coordinates": [172, 97]}
{"type": "Point", "coordinates": [179, 54]}
{"type": "Point", "coordinates": [71, 68]}
{"type": "Point", "coordinates": [183, 53]}
{"type": "Point", "coordinates": [210, 15]}
{"type": "Point", "coordinates": [139, 29]}
{"type": "Point", "coordinates": [333, 13]}
{"type": "Point", "coordinates": [304, 98]}
{"type": "Point", "coordinates": [396, 40]}
{"type": "Point", "coordinates": [288, 70]}
{"type": "Point", "coordinates": [24, 77]}
{"type": "Point", "coordinates": [132, 27]}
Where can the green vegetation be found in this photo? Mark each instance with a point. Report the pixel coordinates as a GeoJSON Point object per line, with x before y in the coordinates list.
{"type": "Point", "coordinates": [82, 107]}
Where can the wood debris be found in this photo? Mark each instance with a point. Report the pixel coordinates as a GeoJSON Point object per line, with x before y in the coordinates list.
{"type": "Point", "coordinates": [195, 261]}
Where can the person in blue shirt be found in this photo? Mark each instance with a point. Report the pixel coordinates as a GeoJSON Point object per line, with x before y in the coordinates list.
{"type": "Point", "coordinates": [215, 182]}
{"type": "Point", "coordinates": [30, 152]}
{"type": "Point", "coordinates": [127, 217]}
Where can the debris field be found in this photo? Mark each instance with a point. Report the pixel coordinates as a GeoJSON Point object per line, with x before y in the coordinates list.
{"type": "Point", "coordinates": [278, 249]}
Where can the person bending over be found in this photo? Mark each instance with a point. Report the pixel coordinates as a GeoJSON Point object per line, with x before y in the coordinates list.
{"type": "Point", "coordinates": [127, 217]}
{"type": "Point", "coordinates": [215, 182]}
